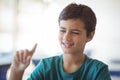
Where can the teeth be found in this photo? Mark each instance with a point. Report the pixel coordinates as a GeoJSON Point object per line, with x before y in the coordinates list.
{"type": "Point", "coordinates": [67, 44]}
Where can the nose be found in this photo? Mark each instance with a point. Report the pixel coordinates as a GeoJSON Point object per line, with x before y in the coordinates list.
{"type": "Point", "coordinates": [67, 37]}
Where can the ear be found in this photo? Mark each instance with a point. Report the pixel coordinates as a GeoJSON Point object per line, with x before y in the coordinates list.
{"type": "Point", "coordinates": [90, 37]}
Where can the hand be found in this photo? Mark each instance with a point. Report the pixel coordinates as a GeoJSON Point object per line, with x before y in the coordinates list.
{"type": "Point", "coordinates": [22, 59]}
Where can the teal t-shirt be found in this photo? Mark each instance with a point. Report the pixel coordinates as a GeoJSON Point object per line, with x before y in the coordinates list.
{"type": "Point", "coordinates": [51, 69]}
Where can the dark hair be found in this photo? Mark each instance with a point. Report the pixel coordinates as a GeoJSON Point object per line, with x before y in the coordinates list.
{"type": "Point", "coordinates": [82, 12]}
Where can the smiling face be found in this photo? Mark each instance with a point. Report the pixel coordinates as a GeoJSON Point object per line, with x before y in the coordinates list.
{"type": "Point", "coordinates": [73, 36]}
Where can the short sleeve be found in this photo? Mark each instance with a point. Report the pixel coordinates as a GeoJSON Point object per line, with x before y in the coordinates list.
{"type": "Point", "coordinates": [103, 74]}
{"type": "Point", "coordinates": [37, 73]}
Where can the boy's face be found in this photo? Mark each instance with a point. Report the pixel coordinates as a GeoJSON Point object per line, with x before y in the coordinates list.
{"type": "Point", "coordinates": [72, 36]}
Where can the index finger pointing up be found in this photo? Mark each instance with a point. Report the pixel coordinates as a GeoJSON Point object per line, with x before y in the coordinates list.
{"type": "Point", "coordinates": [33, 49]}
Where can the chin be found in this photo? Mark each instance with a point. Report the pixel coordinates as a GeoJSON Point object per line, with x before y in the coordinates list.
{"type": "Point", "coordinates": [67, 51]}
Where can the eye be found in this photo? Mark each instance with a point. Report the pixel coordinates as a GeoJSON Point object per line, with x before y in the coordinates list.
{"type": "Point", "coordinates": [75, 32]}
{"type": "Point", "coordinates": [62, 30]}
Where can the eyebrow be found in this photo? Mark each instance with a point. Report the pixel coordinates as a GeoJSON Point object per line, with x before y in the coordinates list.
{"type": "Point", "coordinates": [62, 28]}
{"type": "Point", "coordinates": [76, 30]}
{"type": "Point", "coordinates": [71, 29]}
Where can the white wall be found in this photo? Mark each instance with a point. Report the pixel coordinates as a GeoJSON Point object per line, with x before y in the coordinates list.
{"type": "Point", "coordinates": [36, 25]}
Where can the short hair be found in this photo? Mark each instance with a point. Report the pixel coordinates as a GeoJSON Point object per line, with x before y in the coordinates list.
{"type": "Point", "coordinates": [82, 12]}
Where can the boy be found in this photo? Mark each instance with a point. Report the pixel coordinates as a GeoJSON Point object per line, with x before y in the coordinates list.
{"type": "Point", "coordinates": [76, 27]}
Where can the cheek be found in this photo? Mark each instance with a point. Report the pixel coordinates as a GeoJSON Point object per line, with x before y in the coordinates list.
{"type": "Point", "coordinates": [60, 37]}
{"type": "Point", "coordinates": [79, 41]}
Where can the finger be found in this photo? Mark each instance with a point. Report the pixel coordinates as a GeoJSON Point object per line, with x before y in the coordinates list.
{"type": "Point", "coordinates": [17, 56]}
{"type": "Point", "coordinates": [26, 53]}
{"type": "Point", "coordinates": [28, 60]}
{"type": "Point", "coordinates": [21, 52]}
{"type": "Point", "coordinates": [33, 49]}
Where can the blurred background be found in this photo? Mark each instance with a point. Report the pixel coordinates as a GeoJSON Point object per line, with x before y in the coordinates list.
{"type": "Point", "coordinates": [26, 22]}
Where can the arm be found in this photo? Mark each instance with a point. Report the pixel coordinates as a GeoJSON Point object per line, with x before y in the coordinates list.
{"type": "Point", "coordinates": [20, 62]}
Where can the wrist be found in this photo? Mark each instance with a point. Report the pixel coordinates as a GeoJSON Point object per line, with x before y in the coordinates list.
{"type": "Point", "coordinates": [16, 70]}
{"type": "Point", "coordinates": [15, 74]}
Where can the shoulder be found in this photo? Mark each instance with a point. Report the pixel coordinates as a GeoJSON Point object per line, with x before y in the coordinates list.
{"type": "Point", "coordinates": [95, 66]}
{"type": "Point", "coordinates": [50, 61]}
{"type": "Point", "coordinates": [46, 64]}
{"type": "Point", "coordinates": [95, 62]}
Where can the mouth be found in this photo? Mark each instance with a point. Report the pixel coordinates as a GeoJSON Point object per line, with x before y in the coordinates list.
{"type": "Point", "coordinates": [67, 44]}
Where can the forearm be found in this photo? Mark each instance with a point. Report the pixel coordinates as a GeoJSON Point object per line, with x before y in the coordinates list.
{"type": "Point", "coordinates": [15, 74]}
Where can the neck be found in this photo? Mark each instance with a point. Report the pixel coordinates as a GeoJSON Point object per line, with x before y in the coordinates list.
{"type": "Point", "coordinates": [72, 62]}
{"type": "Point", "coordinates": [73, 58]}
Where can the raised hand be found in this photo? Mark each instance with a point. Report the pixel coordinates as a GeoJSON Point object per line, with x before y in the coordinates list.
{"type": "Point", "coordinates": [20, 62]}
{"type": "Point", "coordinates": [22, 58]}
